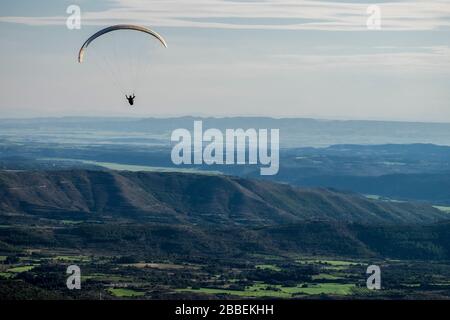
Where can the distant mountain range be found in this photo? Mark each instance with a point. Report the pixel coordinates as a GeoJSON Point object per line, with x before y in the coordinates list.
{"type": "Point", "coordinates": [359, 156]}
{"type": "Point", "coordinates": [294, 132]}
{"type": "Point", "coordinates": [179, 198]}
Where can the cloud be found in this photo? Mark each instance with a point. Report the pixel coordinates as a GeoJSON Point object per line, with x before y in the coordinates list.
{"type": "Point", "coordinates": [265, 15]}
{"type": "Point", "coordinates": [435, 58]}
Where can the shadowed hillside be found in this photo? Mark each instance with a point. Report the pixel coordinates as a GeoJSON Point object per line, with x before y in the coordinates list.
{"type": "Point", "coordinates": [192, 198]}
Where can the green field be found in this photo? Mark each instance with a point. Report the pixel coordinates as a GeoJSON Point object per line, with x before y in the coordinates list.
{"type": "Point", "coordinates": [72, 258]}
{"type": "Point", "coordinates": [278, 291]}
{"type": "Point", "coordinates": [338, 262]}
{"type": "Point", "coordinates": [325, 276]}
{"type": "Point", "coordinates": [333, 263]}
{"type": "Point", "coordinates": [125, 293]}
{"type": "Point", "coordinates": [6, 275]}
{"type": "Point", "coordinates": [268, 267]}
{"type": "Point", "coordinates": [20, 269]}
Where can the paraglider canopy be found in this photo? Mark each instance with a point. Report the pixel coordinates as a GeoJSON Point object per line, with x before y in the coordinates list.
{"type": "Point", "coordinates": [115, 28]}
{"type": "Point", "coordinates": [122, 58]}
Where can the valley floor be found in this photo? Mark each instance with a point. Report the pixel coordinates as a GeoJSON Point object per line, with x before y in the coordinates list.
{"type": "Point", "coordinates": [41, 274]}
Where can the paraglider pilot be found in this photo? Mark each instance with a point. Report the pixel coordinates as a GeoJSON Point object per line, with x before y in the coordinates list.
{"type": "Point", "coordinates": [130, 99]}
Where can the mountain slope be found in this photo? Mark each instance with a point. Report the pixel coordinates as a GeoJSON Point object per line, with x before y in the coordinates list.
{"type": "Point", "coordinates": [192, 198]}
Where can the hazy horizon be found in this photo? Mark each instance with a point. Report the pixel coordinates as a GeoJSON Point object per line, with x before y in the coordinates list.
{"type": "Point", "coordinates": [164, 117]}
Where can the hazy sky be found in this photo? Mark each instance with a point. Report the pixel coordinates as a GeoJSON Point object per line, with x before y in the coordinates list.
{"type": "Point", "coordinates": [305, 58]}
